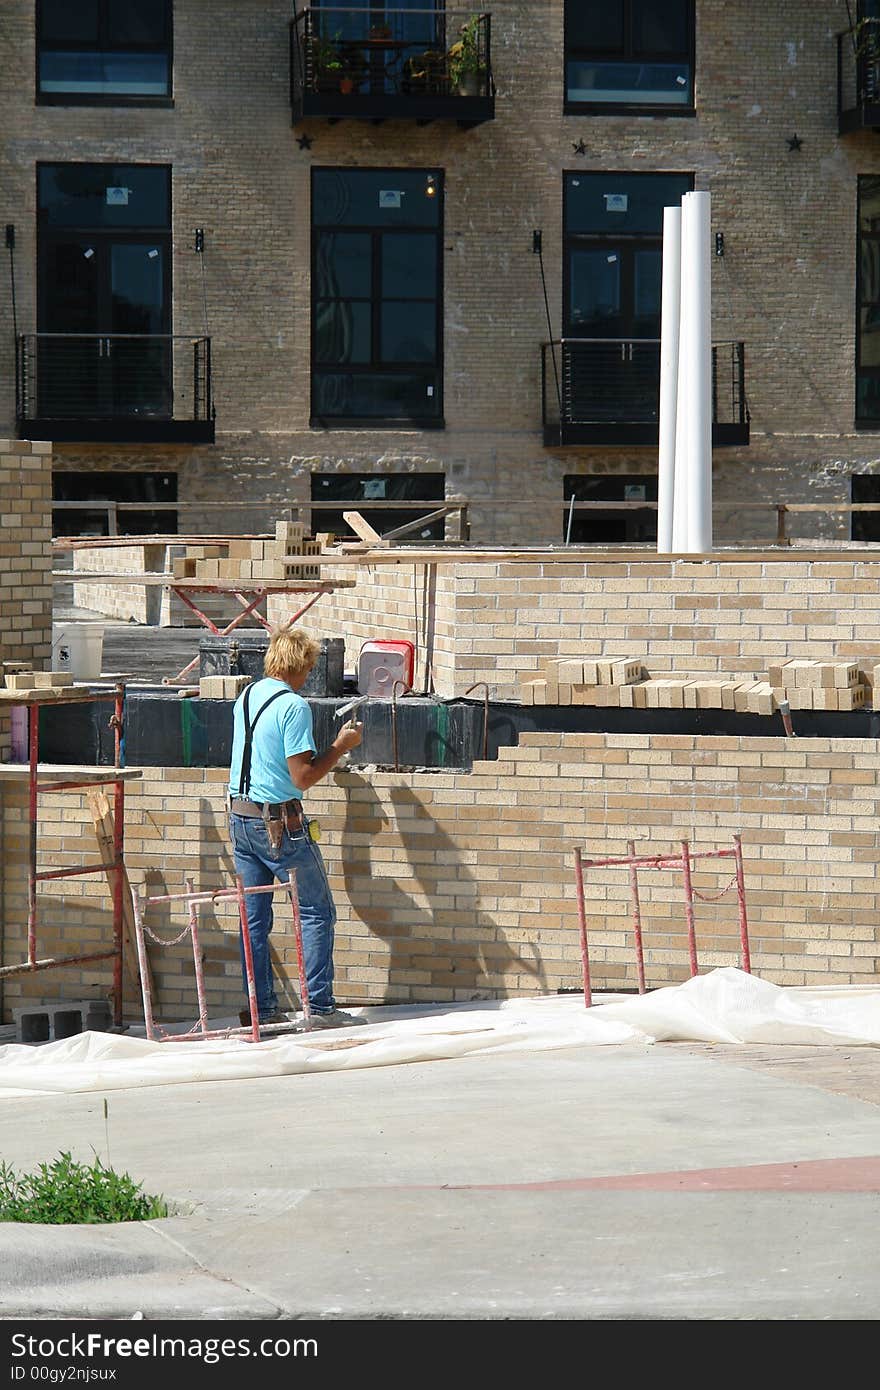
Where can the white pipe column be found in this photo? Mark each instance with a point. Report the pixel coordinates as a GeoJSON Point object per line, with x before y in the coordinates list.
{"type": "Point", "coordinates": [682, 412]}
{"type": "Point", "coordinates": [695, 366]}
{"type": "Point", "coordinates": [669, 329]}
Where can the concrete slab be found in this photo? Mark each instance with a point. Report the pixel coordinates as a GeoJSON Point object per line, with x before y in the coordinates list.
{"type": "Point", "coordinates": [474, 1188]}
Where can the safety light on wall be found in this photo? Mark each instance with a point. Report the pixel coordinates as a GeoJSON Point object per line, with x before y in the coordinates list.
{"type": "Point", "coordinates": [430, 187]}
{"type": "Point", "coordinates": [719, 243]}
{"type": "Point", "coordinates": [199, 240]}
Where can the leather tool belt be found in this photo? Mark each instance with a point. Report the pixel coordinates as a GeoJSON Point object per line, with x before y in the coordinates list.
{"type": "Point", "coordinates": [278, 816]}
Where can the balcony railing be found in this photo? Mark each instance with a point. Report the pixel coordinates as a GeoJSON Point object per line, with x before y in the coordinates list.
{"type": "Point", "coordinates": [607, 391]}
{"type": "Point", "coordinates": [114, 387]}
{"type": "Point", "coordinates": [858, 77]}
{"type": "Point", "coordinates": [420, 64]}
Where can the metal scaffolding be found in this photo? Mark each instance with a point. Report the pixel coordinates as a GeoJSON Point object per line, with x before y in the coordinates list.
{"type": "Point", "coordinates": [72, 779]}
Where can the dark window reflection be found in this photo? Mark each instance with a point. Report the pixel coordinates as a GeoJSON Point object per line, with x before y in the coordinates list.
{"type": "Point", "coordinates": [376, 294]}
{"type": "Point", "coordinates": [93, 50]}
{"type": "Point", "coordinates": [629, 53]}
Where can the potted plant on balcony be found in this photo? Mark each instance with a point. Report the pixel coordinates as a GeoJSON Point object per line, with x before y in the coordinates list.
{"type": "Point", "coordinates": [466, 71]}
{"type": "Point", "coordinates": [425, 72]}
{"type": "Point", "coordinates": [329, 68]}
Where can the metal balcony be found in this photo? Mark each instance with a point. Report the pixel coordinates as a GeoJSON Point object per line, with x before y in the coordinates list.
{"type": "Point", "coordinates": [858, 77]}
{"type": "Point", "coordinates": [118, 388]}
{"type": "Point", "coordinates": [422, 65]}
{"type": "Point", "coordinates": [607, 391]}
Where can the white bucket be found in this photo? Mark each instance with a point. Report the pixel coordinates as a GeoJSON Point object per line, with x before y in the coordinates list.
{"type": "Point", "coordinates": [78, 648]}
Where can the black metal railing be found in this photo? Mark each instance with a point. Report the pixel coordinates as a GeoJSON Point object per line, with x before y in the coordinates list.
{"type": "Point", "coordinates": [607, 390]}
{"type": "Point", "coordinates": [140, 384]}
{"type": "Point", "coordinates": [369, 63]}
{"type": "Point", "coordinates": [858, 76]}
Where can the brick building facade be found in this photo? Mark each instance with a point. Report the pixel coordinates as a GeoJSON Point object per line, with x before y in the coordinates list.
{"type": "Point", "coordinates": [757, 127]}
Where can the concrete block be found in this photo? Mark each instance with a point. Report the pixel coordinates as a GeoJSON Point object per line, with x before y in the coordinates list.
{"type": "Point", "coordinates": [42, 1022]}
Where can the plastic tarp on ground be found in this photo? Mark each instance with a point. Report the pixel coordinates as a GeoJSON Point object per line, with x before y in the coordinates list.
{"type": "Point", "coordinates": [724, 1006]}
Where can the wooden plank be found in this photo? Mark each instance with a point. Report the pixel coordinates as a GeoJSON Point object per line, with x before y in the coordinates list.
{"type": "Point", "coordinates": [421, 521]}
{"type": "Point", "coordinates": [453, 555]}
{"type": "Point", "coordinates": [65, 543]}
{"type": "Point", "coordinates": [362, 528]}
{"type": "Point", "coordinates": [102, 818]}
{"type": "Point", "coordinates": [69, 695]}
{"type": "Point", "coordinates": [220, 586]}
{"type": "Point", "coordinates": [67, 772]}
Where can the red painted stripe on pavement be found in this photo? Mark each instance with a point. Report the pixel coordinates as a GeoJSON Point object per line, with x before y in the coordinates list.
{"type": "Point", "coordinates": [812, 1175]}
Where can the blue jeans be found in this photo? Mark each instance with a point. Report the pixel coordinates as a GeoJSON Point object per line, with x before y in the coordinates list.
{"type": "Point", "coordinates": [259, 864]}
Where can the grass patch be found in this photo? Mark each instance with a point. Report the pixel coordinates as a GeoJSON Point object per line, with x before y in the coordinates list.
{"type": "Point", "coordinates": [65, 1192]}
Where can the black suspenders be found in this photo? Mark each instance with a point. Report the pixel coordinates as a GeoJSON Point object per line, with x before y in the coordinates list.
{"type": "Point", "coordinates": [244, 780]}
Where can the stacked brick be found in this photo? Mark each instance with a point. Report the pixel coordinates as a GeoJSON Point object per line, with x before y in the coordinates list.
{"type": "Point", "coordinates": [824, 685]}
{"type": "Point", "coordinates": [222, 687]}
{"type": "Point", "coordinates": [623, 683]}
{"type": "Point", "coordinates": [56, 683]}
{"type": "Point", "coordinates": [576, 681]}
{"type": "Point", "coordinates": [690, 692]}
{"type": "Point", "coordinates": [275, 560]}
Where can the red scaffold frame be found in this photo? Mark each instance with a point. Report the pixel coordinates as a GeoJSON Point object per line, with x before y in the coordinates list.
{"type": "Point", "coordinates": [242, 594]}
{"type": "Point", "coordinates": [114, 776]}
{"type": "Point", "coordinates": [682, 861]}
{"type": "Point", "coordinates": [194, 900]}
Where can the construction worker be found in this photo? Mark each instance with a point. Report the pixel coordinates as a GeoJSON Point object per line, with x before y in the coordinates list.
{"type": "Point", "coordinates": [274, 760]}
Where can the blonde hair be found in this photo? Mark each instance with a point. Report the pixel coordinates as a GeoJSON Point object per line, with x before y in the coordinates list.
{"type": "Point", "coordinates": [291, 652]}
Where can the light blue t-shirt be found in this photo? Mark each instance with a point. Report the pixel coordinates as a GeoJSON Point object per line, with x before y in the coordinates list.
{"type": "Point", "coordinates": [285, 728]}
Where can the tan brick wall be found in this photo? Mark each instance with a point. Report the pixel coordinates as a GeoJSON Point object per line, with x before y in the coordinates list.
{"type": "Point", "coordinates": [785, 285]}
{"type": "Point", "coordinates": [499, 622]}
{"type": "Point", "coordinates": [145, 604]}
{"type": "Point", "coordinates": [456, 886]}
{"type": "Point", "coordinates": [25, 563]}
{"type": "Point", "coordinates": [121, 601]}
{"type": "Point", "coordinates": [389, 602]}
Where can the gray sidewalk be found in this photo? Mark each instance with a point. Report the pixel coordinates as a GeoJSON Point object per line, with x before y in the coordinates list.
{"type": "Point", "coordinates": [681, 1181]}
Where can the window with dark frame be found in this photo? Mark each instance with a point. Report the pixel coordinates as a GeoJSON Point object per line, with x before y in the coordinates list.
{"type": "Point", "coordinates": [613, 242]}
{"type": "Point", "coordinates": [104, 52]}
{"type": "Point", "coordinates": [96, 487]}
{"type": "Point", "coordinates": [608, 527]}
{"type": "Point", "coordinates": [629, 55]}
{"type": "Point", "coordinates": [377, 297]}
{"type": "Point", "coordinates": [868, 304]}
{"type": "Point", "coordinates": [352, 490]}
{"type": "Point", "coordinates": [104, 267]}
{"type": "Point", "coordinates": [865, 526]}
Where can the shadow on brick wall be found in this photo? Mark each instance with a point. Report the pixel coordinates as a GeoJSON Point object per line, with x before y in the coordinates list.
{"type": "Point", "coordinates": [456, 952]}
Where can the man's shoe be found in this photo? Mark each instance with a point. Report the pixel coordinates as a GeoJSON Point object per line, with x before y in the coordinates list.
{"type": "Point", "coordinates": [244, 1018]}
{"type": "Point", "coordinates": [336, 1019]}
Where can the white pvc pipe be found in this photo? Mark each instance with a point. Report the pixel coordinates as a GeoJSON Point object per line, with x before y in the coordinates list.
{"type": "Point", "coordinates": [695, 364]}
{"type": "Point", "coordinates": [669, 329]}
{"type": "Point", "coordinates": [682, 412]}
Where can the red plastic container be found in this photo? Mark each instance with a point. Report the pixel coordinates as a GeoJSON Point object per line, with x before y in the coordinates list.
{"type": "Point", "coordinates": [381, 663]}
